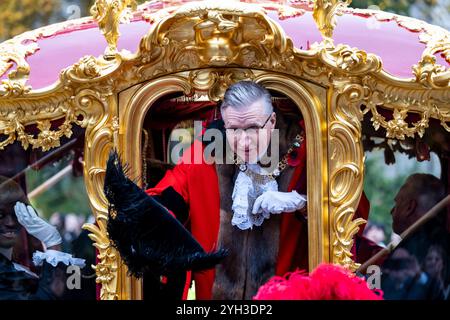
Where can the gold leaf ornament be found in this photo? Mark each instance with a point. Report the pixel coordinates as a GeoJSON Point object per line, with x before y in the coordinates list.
{"type": "Point", "coordinates": [109, 14]}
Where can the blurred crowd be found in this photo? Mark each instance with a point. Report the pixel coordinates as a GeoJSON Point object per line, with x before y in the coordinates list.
{"type": "Point", "coordinates": [418, 268]}
{"type": "Point", "coordinates": [76, 241]}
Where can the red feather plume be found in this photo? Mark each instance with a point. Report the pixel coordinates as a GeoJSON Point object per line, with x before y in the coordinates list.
{"type": "Point", "coordinates": [326, 282]}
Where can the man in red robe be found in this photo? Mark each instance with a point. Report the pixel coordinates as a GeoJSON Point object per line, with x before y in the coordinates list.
{"type": "Point", "coordinates": [252, 208]}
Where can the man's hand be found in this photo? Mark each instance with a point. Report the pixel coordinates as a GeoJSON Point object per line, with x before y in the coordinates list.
{"type": "Point", "coordinates": [278, 202]}
{"type": "Point", "coordinates": [36, 226]}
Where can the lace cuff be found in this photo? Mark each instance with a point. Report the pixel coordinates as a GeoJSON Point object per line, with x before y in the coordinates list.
{"type": "Point", "coordinates": [54, 257]}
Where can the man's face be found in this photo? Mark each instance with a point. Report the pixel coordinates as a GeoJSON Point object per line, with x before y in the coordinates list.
{"type": "Point", "coordinates": [376, 234]}
{"type": "Point", "coordinates": [9, 226]}
{"type": "Point", "coordinates": [249, 130]}
{"type": "Point", "coordinates": [403, 210]}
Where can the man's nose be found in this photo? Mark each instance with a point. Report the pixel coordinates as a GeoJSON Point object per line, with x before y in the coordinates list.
{"type": "Point", "coordinates": [10, 221]}
{"type": "Point", "coordinates": [244, 139]}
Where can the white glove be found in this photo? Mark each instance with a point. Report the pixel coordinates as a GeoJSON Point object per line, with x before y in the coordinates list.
{"type": "Point", "coordinates": [278, 202]}
{"type": "Point", "coordinates": [36, 226]}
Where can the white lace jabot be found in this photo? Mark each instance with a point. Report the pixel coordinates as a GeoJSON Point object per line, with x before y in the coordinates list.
{"type": "Point", "coordinates": [244, 195]}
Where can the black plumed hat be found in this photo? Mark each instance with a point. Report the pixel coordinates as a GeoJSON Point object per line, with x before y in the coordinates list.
{"type": "Point", "coordinates": [146, 235]}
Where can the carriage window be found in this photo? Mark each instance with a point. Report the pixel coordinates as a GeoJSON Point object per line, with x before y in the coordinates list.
{"type": "Point", "coordinates": [176, 122]}
{"type": "Point", "coordinates": [404, 180]}
{"type": "Point", "coordinates": [43, 205]}
{"type": "Point", "coordinates": [385, 173]}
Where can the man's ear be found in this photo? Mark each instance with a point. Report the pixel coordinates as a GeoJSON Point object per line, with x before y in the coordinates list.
{"type": "Point", "coordinates": [273, 120]}
{"type": "Point", "coordinates": [411, 207]}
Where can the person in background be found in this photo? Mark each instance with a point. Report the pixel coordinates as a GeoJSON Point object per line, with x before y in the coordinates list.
{"type": "Point", "coordinates": [375, 232]}
{"type": "Point", "coordinates": [72, 229]}
{"type": "Point", "coordinates": [402, 275]}
{"type": "Point", "coordinates": [17, 282]}
{"type": "Point", "coordinates": [416, 197]}
{"type": "Point", "coordinates": [403, 279]}
{"type": "Point", "coordinates": [83, 246]}
{"type": "Point", "coordinates": [435, 265]}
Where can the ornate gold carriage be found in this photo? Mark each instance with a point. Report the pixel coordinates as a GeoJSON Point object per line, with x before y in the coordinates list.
{"type": "Point", "coordinates": [195, 50]}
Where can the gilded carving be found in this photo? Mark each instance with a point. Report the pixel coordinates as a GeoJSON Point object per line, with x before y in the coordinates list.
{"type": "Point", "coordinates": [216, 82]}
{"type": "Point", "coordinates": [404, 99]}
{"type": "Point", "coordinates": [211, 34]}
{"type": "Point", "coordinates": [109, 14]}
{"type": "Point", "coordinates": [346, 168]}
{"type": "Point", "coordinates": [101, 138]}
{"type": "Point", "coordinates": [324, 14]}
{"type": "Point", "coordinates": [14, 52]}
{"type": "Point", "coordinates": [235, 41]}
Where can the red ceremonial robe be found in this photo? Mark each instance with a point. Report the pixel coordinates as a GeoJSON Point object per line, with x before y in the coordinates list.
{"type": "Point", "coordinates": [198, 185]}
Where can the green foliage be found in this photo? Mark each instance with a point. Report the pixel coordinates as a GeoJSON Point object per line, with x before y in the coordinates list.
{"type": "Point", "coordinates": [18, 16]}
{"type": "Point", "coordinates": [67, 196]}
{"type": "Point", "coordinates": [395, 6]}
{"type": "Point", "coordinates": [381, 189]}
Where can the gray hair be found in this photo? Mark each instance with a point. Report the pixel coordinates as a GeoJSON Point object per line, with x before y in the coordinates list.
{"type": "Point", "coordinates": [244, 93]}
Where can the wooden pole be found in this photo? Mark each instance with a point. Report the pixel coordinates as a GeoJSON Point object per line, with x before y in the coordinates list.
{"type": "Point", "coordinates": [391, 246]}
{"type": "Point", "coordinates": [50, 182]}
{"type": "Point", "coordinates": [48, 156]}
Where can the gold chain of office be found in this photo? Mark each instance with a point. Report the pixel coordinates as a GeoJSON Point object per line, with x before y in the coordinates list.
{"type": "Point", "coordinates": [282, 164]}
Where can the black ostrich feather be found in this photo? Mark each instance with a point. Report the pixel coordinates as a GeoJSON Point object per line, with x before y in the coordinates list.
{"type": "Point", "coordinates": [146, 235]}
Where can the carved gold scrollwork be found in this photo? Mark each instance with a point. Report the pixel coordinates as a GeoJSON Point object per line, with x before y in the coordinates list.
{"type": "Point", "coordinates": [436, 39]}
{"type": "Point", "coordinates": [87, 68]}
{"type": "Point", "coordinates": [71, 103]}
{"type": "Point", "coordinates": [101, 137]}
{"type": "Point", "coordinates": [46, 138]}
{"type": "Point", "coordinates": [347, 60]}
{"type": "Point", "coordinates": [216, 82]}
{"type": "Point", "coordinates": [398, 128]}
{"type": "Point", "coordinates": [109, 14]}
{"type": "Point", "coordinates": [427, 71]}
{"type": "Point", "coordinates": [212, 34]}
{"type": "Point", "coordinates": [14, 52]}
{"type": "Point", "coordinates": [430, 74]}
{"type": "Point", "coordinates": [107, 265]}
{"type": "Point", "coordinates": [401, 100]}
{"type": "Point", "coordinates": [324, 14]}
{"type": "Point", "coordinates": [346, 169]}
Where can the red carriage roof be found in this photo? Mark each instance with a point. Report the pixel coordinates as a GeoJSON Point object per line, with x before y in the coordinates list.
{"type": "Point", "coordinates": [399, 41]}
